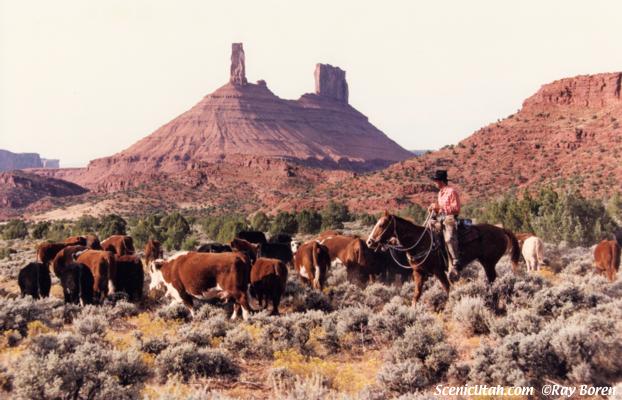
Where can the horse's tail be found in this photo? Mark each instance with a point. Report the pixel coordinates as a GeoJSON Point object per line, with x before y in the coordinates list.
{"type": "Point", "coordinates": [514, 247]}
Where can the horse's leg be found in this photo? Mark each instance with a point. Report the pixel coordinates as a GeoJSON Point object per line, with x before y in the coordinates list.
{"type": "Point", "coordinates": [419, 281]}
{"type": "Point", "coordinates": [489, 268]}
{"type": "Point", "coordinates": [442, 277]}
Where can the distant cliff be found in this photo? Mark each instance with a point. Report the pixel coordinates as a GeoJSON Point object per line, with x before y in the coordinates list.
{"type": "Point", "coordinates": [10, 161]}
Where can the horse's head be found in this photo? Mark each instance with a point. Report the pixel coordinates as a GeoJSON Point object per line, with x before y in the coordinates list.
{"type": "Point", "coordinates": [383, 232]}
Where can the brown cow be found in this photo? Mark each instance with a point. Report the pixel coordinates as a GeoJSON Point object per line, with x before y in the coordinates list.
{"type": "Point", "coordinates": [311, 261]}
{"type": "Point", "coordinates": [129, 277]}
{"type": "Point", "coordinates": [92, 242]}
{"type": "Point", "coordinates": [607, 258]}
{"type": "Point", "coordinates": [337, 247]}
{"type": "Point", "coordinates": [65, 257]}
{"type": "Point", "coordinates": [268, 279]}
{"type": "Point", "coordinates": [246, 247]}
{"type": "Point", "coordinates": [360, 262]}
{"type": "Point", "coordinates": [120, 245]}
{"type": "Point", "coordinates": [153, 251]}
{"type": "Point", "coordinates": [103, 267]}
{"type": "Point", "coordinates": [75, 241]}
{"type": "Point", "coordinates": [187, 275]}
{"type": "Point", "coordinates": [46, 251]}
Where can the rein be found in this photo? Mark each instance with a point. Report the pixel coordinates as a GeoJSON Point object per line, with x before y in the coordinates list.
{"type": "Point", "coordinates": [425, 253]}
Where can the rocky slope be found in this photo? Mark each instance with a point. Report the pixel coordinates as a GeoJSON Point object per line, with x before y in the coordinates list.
{"type": "Point", "coordinates": [19, 189]}
{"type": "Point", "coordinates": [567, 134]}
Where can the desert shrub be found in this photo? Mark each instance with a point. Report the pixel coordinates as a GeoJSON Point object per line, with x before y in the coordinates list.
{"type": "Point", "coordinates": [190, 243]}
{"type": "Point", "coordinates": [58, 231]}
{"type": "Point", "coordinates": [291, 331]}
{"type": "Point", "coordinates": [311, 388]}
{"type": "Point", "coordinates": [334, 215]}
{"type": "Point", "coordinates": [260, 222]}
{"type": "Point", "coordinates": [174, 311]}
{"type": "Point", "coordinates": [187, 360]}
{"type": "Point", "coordinates": [345, 295]}
{"type": "Point", "coordinates": [40, 230]}
{"type": "Point", "coordinates": [284, 222]}
{"type": "Point", "coordinates": [111, 224]}
{"type": "Point", "coordinates": [563, 299]}
{"type": "Point", "coordinates": [302, 298]}
{"type": "Point", "coordinates": [15, 314]}
{"type": "Point", "coordinates": [14, 229]}
{"type": "Point", "coordinates": [309, 221]}
{"type": "Point", "coordinates": [240, 341]}
{"type": "Point", "coordinates": [154, 345]}
{"type": "Point", "coordinates": [614, 208]}
{"type": "Point", "coordinates": [367, 219]}
{"type": "Point", "coordinates": [122, 309]}
{"type": "Point", "coordinates": [207, 312]}
{"type": "Point", "coordinates": [353, 320]}
{"type": "Point", "coordinates": [378, 294]}
{"type": "Point", "coordinates": [395, 317]}
{"type": "Point", "coordinates": [175, 229]}
{"type": "Point", "coordinates": [85, 369]}
{"type": "Point", "coordinates": [404, 377]}
{"type": "Point", "coordinates": [435, 297]}
{"type": "Point", "coordinates": [224, 229]}
{"type": "Point", "coordinates": [90, 323]}
{"type": "Point", "coordinates": [517, 321]}
{"type": "Point", "coordinates": [147, 228]}
{"type": "Point", "coordinates": [6, 380]}
{"type": "Point", "coordinates": [472, 314]}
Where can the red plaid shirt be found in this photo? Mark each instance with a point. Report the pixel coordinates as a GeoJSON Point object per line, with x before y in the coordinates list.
{"type": "Point", "coordinates": [449, 201]}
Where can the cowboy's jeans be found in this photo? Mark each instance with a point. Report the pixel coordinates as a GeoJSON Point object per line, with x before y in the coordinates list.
{"type": "Point", "coordinates": [450, 234]}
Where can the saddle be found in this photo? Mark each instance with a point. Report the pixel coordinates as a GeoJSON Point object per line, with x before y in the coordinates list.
{"type": "Point", "coordinates": [467, 232]}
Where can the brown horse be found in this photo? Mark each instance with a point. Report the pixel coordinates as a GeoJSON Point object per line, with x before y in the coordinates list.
{"type": "Point", "coordinates": [426, 254]}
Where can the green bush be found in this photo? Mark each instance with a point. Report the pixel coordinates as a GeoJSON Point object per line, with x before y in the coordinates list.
{"type": "Point", "coordinates": [368, 219]}
{"type": "Point", "coordinates": [260, 222]}
{"type": "Point", "coordinates": [86, 224]}
{"type": "Point", "coordinates": [175, 228]}
{"type": "Point", "coordinates": [41, 229]}
{"type": "Point", "coordinates": [551, 215]}
{"type": "Point", "coordinates": [334, 215]}
{"type": "Point", "coordinates": [147, 228]}
{"type": "Point", "coordinates": [224, 228]}
{"type": "Point", "coordinates": [309, 221]}
{"type": "Point", "coordinates": [284, 222]}
{"type": "Point", "coordinates": [59, 231]}
{"type": "Point", "coordinates": [112, 224]}
{"type": "Point", "coordinates": [14, 229]}
{"type": "Point", "coordinates": [414, 212]}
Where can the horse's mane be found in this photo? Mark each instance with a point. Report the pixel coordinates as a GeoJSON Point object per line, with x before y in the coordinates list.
{"type": "Point", "coordinates": [406, 221]}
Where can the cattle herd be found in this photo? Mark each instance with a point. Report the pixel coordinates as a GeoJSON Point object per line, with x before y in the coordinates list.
{"type": "Point", "coordinates": [248, 269]}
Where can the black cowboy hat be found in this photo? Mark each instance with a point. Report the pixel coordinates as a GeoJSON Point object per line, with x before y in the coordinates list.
{"type": "Point", "coordinates": [440, 175]}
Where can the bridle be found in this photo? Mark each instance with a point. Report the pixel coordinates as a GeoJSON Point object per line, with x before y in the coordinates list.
{"type": "Point", "coordinates": [423, 255]}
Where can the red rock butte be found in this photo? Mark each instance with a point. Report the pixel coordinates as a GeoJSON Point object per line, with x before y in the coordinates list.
{"type": "Point", "coordinates": [241, 118]}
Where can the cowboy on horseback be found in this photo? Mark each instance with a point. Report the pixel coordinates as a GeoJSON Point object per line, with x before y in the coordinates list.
{"type": "Point", "coordinates": [447, 209]}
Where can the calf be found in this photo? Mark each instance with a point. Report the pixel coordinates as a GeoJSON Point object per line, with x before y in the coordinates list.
{"type": "Point", "coordinates": [256, 237]}
{"type": "Point", "coordinates": [280, 251]}
{"type": "Point", "coordinates": [214, 248]}
{"type": "Point", "coordinates": [533, 252]}
{"type": "Point", "coordinates": [34, 280]}
{"type": "Point", "coordinates": [189, 275]}
{"type": "Point", "coordinates": [245, 247]}
{"type": "Point", "coordinates": [129, 277]}
{"type": "Point", "coordinates": [268, 279]}
{"type": "Point", "coordinates": [311, 261]}
{"type": "Point", "coordinates": [77, 282]}
{"type": "Point", "coordinates": [120, 245]}
{"type": "Point", "coordinates": [607, 258]}
{"type": "Point", "coordinates": [102, 266]}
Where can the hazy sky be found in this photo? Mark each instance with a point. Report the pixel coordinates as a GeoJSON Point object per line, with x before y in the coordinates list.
{"type": "Point", "coordinates": [85, 79]}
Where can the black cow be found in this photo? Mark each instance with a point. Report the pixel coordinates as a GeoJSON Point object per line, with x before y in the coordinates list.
{"type": "Point", "coordinates": [281, 238]}
{"type": "Point", "coordinates": [214, 248]}
{"type": "Point", "coordinates": [34, 280]}
{"type": "Point", "coordinates": [390, 269]}
{"type": "Point", "coordinates": [77, 282]}
{"type": "Point", "coordinates": [280, 251]}
{"type": "Point", "coordinates": [256, 237]}
{"type": "Point", "coordinates": [130, 276]}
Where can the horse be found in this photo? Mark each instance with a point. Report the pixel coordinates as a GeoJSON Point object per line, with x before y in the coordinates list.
{"type": "Point", "coordinates": [426, 252]}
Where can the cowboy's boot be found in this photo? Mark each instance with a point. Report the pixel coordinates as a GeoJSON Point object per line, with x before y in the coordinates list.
{"type": "Point", "coordinates": [456, 266]}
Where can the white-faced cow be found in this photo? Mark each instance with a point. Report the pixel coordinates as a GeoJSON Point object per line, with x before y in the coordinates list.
{"type": "Point", "coordinates": [189, 275]}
